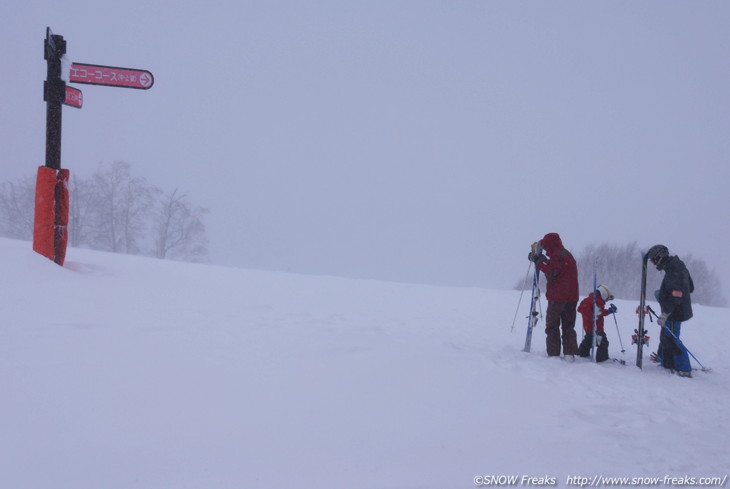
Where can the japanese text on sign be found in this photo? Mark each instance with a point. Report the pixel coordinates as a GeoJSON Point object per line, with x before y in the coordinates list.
{"type": "Point", "coordinates": [111, 76]}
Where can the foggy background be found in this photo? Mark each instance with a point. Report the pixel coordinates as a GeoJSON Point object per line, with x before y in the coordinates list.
{"type": "Point", "coordinates": [419, 141]}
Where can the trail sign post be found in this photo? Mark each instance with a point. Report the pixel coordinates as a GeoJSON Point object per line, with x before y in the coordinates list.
{"type": "Point", "coordinates": [52, 196]}
{"type": "Point", "coordinates": [50, 222]}
{"type": "Point", "coordinates": [54, 94]}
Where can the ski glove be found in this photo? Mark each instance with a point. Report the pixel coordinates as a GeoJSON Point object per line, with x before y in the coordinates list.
{"type": "Point", "coordinates": [537, 259]}
{"type": "Point", "coordinates": [612, 309]}
{"type": "Point", "coordinates": [662, 319]}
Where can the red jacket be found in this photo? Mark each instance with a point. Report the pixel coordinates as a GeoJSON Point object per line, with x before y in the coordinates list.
{"type": "Point", "coordinates": [560, 271]}
{"type": "Point", "coordinates": [585, 308]}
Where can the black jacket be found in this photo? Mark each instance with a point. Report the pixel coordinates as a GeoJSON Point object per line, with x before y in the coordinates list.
{"type": "Point", "coordinates": [674, 293]}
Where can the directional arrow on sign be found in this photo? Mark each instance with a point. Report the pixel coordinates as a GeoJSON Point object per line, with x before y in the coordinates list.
{"type": "Point", "coordinates": [111, 76]}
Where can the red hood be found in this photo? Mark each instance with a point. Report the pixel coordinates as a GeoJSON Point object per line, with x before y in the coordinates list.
{"type": "Point", "coordinates": [552, 243]}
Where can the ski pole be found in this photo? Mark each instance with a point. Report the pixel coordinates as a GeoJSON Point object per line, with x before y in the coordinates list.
{"type": "Point", "coordinates": [524, 286]}
{"type": "Point", "coordinates": [681, 343]}
{"type": "Point", "coordinates": [685, 347]}
{"type": "Point", "coordinates": [618, 332]}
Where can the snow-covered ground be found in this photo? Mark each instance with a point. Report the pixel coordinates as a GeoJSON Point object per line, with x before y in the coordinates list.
{"type": "Point", "coordinates": [122, 372]}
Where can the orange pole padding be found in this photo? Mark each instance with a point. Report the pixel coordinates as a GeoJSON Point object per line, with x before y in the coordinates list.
{"type": "Point", "coordinates": [45, 191]}
{"type": "Point", "coordinates": [50, 230]}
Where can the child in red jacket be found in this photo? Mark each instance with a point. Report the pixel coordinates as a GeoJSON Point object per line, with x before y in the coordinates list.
{"type": "Point", "coordinates": [586, 310]}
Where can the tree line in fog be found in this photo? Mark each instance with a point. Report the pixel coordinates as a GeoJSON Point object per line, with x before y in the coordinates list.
{"type": "Point", "coordinates": [112, 210]}
{"type": "Point", "coordinates": [618, 267]}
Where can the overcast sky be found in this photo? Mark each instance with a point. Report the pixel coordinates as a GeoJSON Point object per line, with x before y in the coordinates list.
{"type": "Point", "coordinates": [423, 141]}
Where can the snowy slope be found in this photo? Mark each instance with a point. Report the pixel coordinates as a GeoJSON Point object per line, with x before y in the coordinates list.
{"type": "Point", "coordinates": [125, 372]}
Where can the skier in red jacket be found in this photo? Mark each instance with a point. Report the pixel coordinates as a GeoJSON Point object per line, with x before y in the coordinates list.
{"type": "Point", "coordinates": [586, 310]}
{"type": "Point", "coordinates": [561, 273]}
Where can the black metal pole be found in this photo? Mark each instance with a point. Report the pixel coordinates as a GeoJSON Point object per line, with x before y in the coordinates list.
{"type": "Point", "coordinates": [54, 94]}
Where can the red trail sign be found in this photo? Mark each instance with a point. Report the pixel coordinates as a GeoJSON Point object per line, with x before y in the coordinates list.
{"type": "Point", "coordinates": [112, 76]}
{"type": "Point", "coordinates": [74, 97]}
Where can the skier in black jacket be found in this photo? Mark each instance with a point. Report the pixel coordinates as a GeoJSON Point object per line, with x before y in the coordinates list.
{"type": "Point", "coordinates": [676, 304]}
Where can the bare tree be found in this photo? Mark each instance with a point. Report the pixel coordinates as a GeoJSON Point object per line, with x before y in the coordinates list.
{"type": "Point", "coordinates": [17, 205]}
{"type": "Point", "coordinates": [708, 287]}
{"type": "Point", "coordinates": [617, 267]}
{"type": "Point", "coordinates": [179, 229]}
{"type": "Point", "coordinates": [82, 205]}
{"type": "Point", "coordinates": [119, 218]}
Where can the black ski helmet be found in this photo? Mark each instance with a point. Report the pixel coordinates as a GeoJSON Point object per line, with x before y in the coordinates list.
{"type": "Point", "coordinates": [657, 254]}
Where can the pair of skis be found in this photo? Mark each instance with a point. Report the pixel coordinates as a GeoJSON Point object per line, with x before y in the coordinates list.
{"type": "Point", "coordinates": [534, 313]}
{"type": "Point", "coordinates": [641, 330]}
{"type": "Point", "coordinates": [536, 250]}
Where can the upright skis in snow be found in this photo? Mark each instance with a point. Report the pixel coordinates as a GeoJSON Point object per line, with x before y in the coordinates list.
{"type": "Point", "coordinates": [641, 332]}
{"type": "Point", "coordinates": [594, 343]}
{"type": "Point", "coordinates": [534, 302]}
